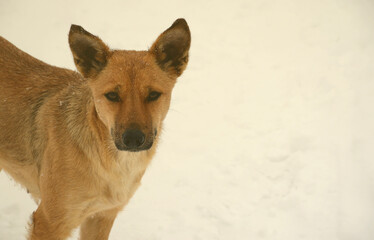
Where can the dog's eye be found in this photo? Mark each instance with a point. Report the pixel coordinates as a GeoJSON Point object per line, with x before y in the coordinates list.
{"type": "Point", "coordinates": [112, 96]}
{"type": "Point", "coordinates": [153, 96]}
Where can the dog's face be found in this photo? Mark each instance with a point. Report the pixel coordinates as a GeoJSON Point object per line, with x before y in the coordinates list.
{"type": "Point", "coordinates": [132, 96]}
{"type": "Point", "coordinates": [132, 89]}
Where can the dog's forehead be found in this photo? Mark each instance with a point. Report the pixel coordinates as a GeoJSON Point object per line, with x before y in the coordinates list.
{"type": "Point", "coordinates": [130, 66]}
{"type": "Point", "coordinates": [126, 58]}
{"type": "Point", "coordinates": [127, 69]}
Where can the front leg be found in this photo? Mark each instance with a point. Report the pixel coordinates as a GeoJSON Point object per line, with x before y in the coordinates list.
{"type": "Point", "coordinates": [63, 192]}
{"type": "Point", "coordinates": [51, 222]}
{"type": "Point", "coordinates": [98, 226]}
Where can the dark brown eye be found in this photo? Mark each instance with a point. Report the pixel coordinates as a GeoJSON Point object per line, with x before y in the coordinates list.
{"type": "Point", "coordinates": [153, 96]}
{"type": "Point", "coordinates": [112, 96]}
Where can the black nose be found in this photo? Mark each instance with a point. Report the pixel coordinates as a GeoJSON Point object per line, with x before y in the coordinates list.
{"type": "Point", "coordinates": [133, 138]}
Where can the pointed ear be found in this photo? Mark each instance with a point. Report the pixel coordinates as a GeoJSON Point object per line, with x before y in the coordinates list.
{"type": "Point", "coordinates": [89, 52]}
{"type": "Point", "coordinates": [171, 48]}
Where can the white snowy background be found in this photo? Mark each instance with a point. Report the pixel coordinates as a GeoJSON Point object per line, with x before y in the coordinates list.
{"type": "Point", "coordinates": [270, 134]}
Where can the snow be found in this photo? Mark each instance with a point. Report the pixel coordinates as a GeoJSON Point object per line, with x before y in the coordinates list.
{"type": "Point", "coordinates": [270, 131]}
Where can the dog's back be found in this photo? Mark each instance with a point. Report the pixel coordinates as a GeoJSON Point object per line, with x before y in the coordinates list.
{"type": "Point", "coordinates": [25, 84]}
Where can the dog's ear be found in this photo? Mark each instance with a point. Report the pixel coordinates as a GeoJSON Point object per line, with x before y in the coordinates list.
{"type": "Point", "coordinates": [90, 52]}
{"type": "Point", "coordinates": [171, 48]}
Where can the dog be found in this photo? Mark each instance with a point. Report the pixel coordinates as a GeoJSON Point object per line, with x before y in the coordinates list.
{"type": "Point", "coordinates": [80, 142]}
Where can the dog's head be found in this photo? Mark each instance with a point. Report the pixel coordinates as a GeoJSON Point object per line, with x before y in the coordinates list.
{"type": "Point", "coordinates": [132, 89]}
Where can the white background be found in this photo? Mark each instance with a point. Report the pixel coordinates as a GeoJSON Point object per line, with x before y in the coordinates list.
{"type": "Point", "coordinates": [270, 132]}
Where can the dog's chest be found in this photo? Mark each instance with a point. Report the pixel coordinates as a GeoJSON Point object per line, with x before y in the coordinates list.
{"type": "Point", "coordinates": [120, 190]}
{"type": "Point", "coordinates": [124, 179]}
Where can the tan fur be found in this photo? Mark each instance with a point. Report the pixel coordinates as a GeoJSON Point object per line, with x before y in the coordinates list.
{"type": "Point", "coordinates": [58, 130]}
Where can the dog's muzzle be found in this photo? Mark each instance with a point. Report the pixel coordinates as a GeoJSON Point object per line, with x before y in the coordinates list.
{"type": "Point", "coordinates": [133, 140]}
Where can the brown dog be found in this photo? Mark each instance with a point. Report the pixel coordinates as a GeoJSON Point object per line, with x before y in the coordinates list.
{"type": "Point", "coordinates": [80, 143]}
